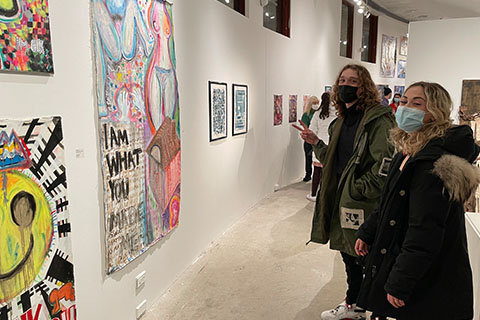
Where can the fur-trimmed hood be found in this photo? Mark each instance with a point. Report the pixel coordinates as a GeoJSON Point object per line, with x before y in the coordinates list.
{"type": "Point", "coordinates": [454, 154]}
{"type": "Point", "coordinates": [459, 176]}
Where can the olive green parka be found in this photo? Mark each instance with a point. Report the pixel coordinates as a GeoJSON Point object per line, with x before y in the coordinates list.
{"type": "Point", "coordinates": [342, 206]}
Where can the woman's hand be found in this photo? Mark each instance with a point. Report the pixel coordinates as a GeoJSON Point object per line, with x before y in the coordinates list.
{"type": "Point", "coordinates": [397, 303]}
{"type": "Point", "coordinates": [308, 135]}
{"type": "Point", "coordinates": [361, 247]}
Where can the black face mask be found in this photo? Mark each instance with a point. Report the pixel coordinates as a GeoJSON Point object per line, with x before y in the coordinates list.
{"type": "Point", "coordinates": [348, 94]}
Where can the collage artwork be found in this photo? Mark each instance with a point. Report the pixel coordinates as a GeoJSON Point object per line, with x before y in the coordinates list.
{"type": "Point", "coordinates": [25, 44]}
{"type": "Point", "coordinates": [36, 270]}
{"type": "Point", "coordinates": [139, 124]}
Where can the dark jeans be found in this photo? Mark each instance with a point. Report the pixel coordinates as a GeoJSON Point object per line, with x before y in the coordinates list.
{"type": "Point", "coordinates": [317, 176]}
{"type": "Point", "coordinates": [354, 277]}
{"type": "Point", "coordinates": [307, 148]}
{"type": "Point", "coordinates": [354, 268]}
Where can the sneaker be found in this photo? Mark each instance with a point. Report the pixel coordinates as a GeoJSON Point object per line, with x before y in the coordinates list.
{"type": "Point", "coordinates": [306, 179]}
{"type": "Point", "coordinates": [344, 311]}
{"type": "Point", "coordinates": [311, 198]}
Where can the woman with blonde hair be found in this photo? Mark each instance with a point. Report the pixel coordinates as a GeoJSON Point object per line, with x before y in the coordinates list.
{"type": "Point", "coordinates": [417, 264]}
{"type": "Point", "coordinates": [354, 160]}
{"type": "Point", "coordinates": [312, 105]}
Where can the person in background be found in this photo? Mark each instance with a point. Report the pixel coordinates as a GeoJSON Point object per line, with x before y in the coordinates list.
{"type": "Point", "coordinates": [387, 95]}
{"type": "Point", "coordinates": [319, 125]}
{"type": "Point", "coordinates": [307, 147]}
{"type": "Point", "coordinates": [354, 162]}
{"type": "Point", "coordinates": [396, 101]}
{"type": "Point", "coordinates": [417, 265]}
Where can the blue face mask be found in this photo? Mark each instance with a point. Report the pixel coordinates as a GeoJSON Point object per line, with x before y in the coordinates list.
{"type": "Point", "coordinates": [409, 119]}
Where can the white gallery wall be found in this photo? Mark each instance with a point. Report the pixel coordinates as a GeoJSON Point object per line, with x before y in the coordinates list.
{"type": "Point", "coordinates": [221, 180]}
{"type": "Point", "coordinates": [444, 51]}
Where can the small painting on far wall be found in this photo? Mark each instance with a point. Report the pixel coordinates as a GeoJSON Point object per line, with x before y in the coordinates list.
{"type": "Point", "coordinates": [399, 89]}
{"type": "Point", "coordinates": [240, 109]}
{"type": "Point", "coordinates": [292, 108]}
{"type": "Point", "coordinates": [218, 110]}
{"type": "Point", "coordinates": [404, 46]}
{"type": "Point", "coordinates": [380, 88]}
{"type": "Point", "coordinates": [389, 56]}
{"type": "Point", "coordinates": [328, 88]}
{"type": "Point", "coordinates": [305, 101]}
{"type": "Point", "coordinates": [277, 110]}
{"type": "Point", "coordinates": [402, 68]}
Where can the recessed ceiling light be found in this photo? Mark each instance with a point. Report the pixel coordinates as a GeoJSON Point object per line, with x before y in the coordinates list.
{"type": "Point", "coordinates": [267, 14]}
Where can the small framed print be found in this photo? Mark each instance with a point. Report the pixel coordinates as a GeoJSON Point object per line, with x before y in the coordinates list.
{"type": "Point", "coordinates": [217, 110]}
{"type": "Point", "coordinates": [240, 109]}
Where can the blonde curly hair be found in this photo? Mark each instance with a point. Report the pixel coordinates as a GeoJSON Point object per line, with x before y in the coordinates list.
{"type": "Point", "coordinates": [367, 97]}
{"type": "Point", "coordinates": [439, 104]}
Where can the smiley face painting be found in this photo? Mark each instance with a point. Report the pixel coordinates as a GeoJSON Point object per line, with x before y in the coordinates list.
{"type": "Point", "coordinates": [36, 273]}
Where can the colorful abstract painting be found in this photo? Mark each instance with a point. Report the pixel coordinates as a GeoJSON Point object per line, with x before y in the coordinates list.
{"type": "Point", "coordinates": [36, 270]}
{"type": "Point", "coordinates": [389, 56]}
{"type": "Point", "coordinates": [240, 109]}
{"type": "Point", "coordinates": [292, 108]}
{"type": "Point", "coordinates": [25, 43]}
{"type": "Point", "coordinates": [277, 110]}
{"type": "Point", "coordinates": [138, 109]}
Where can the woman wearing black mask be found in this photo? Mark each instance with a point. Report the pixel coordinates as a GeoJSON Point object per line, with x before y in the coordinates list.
{"type": "Point", "coordinates": [355, 163]}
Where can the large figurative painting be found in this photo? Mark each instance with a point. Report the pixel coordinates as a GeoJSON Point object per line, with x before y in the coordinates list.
{"type": "Point", "coordinates": [36, 270]}
{"type": "Point", "coordinates": [25, 36]}
{"type": "Point", "coordinates": [139, 123]}
{"type": "Point", "coordinates": [389, 56]}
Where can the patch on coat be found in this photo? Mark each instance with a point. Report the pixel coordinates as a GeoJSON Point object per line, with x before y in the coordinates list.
{"type": "Point", "coordinates": [460, 177]}
{"type": "Point", "coordinates": [351, 218]}
{"type": "Point", "coordinates": [384, 167]}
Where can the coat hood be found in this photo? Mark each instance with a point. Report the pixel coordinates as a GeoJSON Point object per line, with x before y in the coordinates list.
{"type": "Point", "coordinates": [454, 166]}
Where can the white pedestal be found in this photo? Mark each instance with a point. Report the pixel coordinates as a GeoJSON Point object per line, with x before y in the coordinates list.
{"type": "Point", "coordinates": [473, 236]}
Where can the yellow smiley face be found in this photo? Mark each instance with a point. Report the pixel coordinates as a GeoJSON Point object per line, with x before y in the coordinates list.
{"type": "Point", "coordinates": [26, 231]}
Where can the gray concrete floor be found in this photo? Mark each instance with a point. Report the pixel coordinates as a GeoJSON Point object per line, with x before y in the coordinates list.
{"type": "Point", "coordinates": [260, 269]}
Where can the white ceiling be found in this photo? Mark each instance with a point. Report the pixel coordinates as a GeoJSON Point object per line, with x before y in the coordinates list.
{"type": "Point", "coordinates": [419, 10]}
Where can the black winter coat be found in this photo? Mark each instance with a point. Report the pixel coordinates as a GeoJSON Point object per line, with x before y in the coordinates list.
{"type": "Point", "coordinates": [417, 238]}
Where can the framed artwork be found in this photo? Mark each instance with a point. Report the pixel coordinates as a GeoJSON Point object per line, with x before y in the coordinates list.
{"type": "Point", "coordinates": [404, 46]}
{"type": "Point", "coordinates": [380, 88]}
{"type": "Point", "coordinates": [402, 68]}
{"type": "Point", "coordinates": [218, 110]}
{"type": "Point", "coordinates": [240, 109]}
{"type": "Point", "coordinates": [399, 89]}
{"type": "Point", "coordinates": [328, 88]}
{"type": "Point", "coordinates": [470, 105]}
{"type": "Point", "coordinates": [277, 110]}
{"type": "Point", "coordinates": [37, 277]}
{"type": "Point", "coordinates": [25, 42]}
{"type": "Point", "coordinates": [139, 125]}
{"type": "Point", "coordinates": [389, 56]}
{"type": "Point", "coordinates": [292, 108]}
{"type": "Point", "coordinates": [305, 101]}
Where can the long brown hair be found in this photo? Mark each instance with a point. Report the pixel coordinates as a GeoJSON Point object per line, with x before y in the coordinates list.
{"type": "Point", "coordinates": [439, 104]}
{"type": "Point", "coordinates": [368, 96]}
{"type": "Point", "coordinates": [325, 106]}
